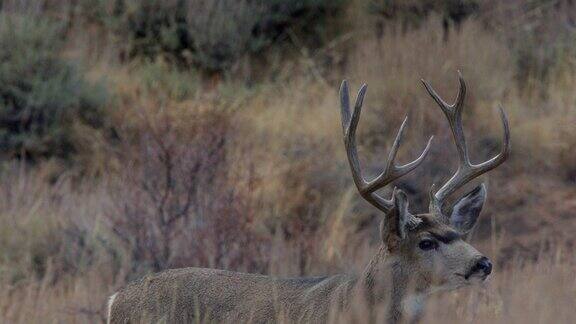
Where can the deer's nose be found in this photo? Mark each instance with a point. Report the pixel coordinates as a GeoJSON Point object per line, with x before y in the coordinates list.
{"type": "Point", "coordinates": [484, 265]}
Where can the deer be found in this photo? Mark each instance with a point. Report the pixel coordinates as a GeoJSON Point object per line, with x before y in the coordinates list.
{"type": "Point", "coordinates": [418, 254]}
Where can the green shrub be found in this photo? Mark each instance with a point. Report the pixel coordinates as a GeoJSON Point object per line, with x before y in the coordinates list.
{"type": "Point", "coordinates": [224, 31]}
{"type": "Point", "coordinates": [42, 95]}
{"type": "Point", "coordinates": [152, 27]}
{"type": "Point", "coordinates": [213, 34]}
{"type": "Point", "coordinates": [413, 12]}
{"type": "Point", "coordinates": [164, 81]}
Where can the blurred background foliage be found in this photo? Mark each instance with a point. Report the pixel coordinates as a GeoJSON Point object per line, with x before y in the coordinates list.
{"type": "Point", "coordinates": [209, 35]}
{"type": "Point", "coordinates": [43, 95]}
{"type": "Point", "coordinates": [137, 136]}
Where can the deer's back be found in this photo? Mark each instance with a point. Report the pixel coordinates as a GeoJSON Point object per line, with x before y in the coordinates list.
{"type": "Point", "coordinates": [196, 294]}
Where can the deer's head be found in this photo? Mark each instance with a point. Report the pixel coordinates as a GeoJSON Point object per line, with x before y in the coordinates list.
{"type": "Point", "coordinates": [431, 247]}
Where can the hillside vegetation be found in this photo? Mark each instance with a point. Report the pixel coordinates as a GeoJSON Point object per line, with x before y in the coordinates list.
{"type": "Point", "coordinates": [137, 136]}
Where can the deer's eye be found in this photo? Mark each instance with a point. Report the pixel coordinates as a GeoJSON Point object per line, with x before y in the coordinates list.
{"type": "Point", "coordinates": [428, 244]}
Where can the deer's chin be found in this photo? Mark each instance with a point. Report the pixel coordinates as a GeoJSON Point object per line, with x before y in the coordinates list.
{"type": "Point", "coordinates": [471, 279]}
{"type": "Point", "coordinates": [451, 283]}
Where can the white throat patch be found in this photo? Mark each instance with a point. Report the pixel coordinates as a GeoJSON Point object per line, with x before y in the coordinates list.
{"type": "Point", "coordinates": [413, 305]}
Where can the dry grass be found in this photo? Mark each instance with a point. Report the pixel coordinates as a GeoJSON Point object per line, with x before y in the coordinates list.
{"type": "Point", "coordinates": [539, 292]}
{"type": "Point", "coordinates": [280, 184]}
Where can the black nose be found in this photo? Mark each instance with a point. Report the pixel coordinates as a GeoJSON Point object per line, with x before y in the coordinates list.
{"type": "Point", "coordinates": [484, 265]}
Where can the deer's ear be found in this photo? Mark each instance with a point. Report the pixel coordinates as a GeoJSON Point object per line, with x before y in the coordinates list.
{"type": "Point", "coordinates": [466, 211]}
{"type": "Point", "coordinates": [398, 221]}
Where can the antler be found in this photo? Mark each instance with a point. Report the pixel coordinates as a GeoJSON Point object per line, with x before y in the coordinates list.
{"type": "Point", "coordinates": [466, 170]}
{"type": "Point", "coordinates": [391, 171]}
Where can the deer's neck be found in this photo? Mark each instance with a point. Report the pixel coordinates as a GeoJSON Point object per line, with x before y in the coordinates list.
{"type": "Point", "coordinates": [385, 281]}
{"type": "Point", "coordinates": [377, 281]}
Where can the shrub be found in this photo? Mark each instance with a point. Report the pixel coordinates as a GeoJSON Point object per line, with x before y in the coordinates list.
{"type": "Point", "coordinates": [224, 31]}
{"type": "Point", "coordinates": [164, 81]}
{"type": "Point", "coordinates": [408, 12]}
{"type": "Point", "coordinates": [177, 202]}
{"type": "Point", "coordinates": [152, 27]}
{"type": "Point", "coordinates": [213, 35]}
{"type": "Point", "coordinates": [545, 43]}
{"type": "Point", "coordinates": [42, 96]}
{"type": "Point", "coordinates": [413, 12]}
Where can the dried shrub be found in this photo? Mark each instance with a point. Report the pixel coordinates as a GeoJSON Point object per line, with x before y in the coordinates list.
{"type": "Point", "coordinates": [177, 202]}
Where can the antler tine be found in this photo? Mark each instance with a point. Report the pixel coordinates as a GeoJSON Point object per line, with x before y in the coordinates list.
{"type": "Point", "coordinates": [391, 172]}
{"type": "Point", "coordinates": [453, 114]}
{"type": "Point", "coordinates": [349, 123]}
{"type": "Point", "coordinates": [466, 170]}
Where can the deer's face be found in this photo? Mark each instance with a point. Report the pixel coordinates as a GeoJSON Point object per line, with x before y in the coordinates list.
{"type": "Point", "coordinates": [433, 248]}
{"type": "Point", "coordinates": [439, 253]}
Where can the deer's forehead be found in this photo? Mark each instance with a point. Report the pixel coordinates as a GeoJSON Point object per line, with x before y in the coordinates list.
{"type": "Point", "coordinates": [428, 221]}
{"type": "Point", "coordinates": [432, 225]}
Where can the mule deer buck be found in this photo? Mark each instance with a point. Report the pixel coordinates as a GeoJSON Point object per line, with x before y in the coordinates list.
{"type": "Point", "coordinates": [419, 254]}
